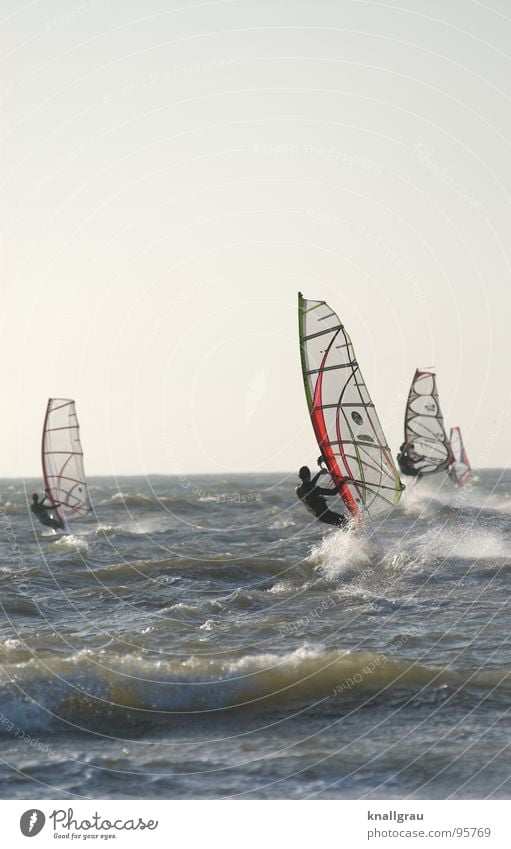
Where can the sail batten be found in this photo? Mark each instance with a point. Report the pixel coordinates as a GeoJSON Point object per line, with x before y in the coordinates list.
{"type": "Point", "coordinates": [62, 461]}
{"type": "Point", "coordinates": [344, 419]}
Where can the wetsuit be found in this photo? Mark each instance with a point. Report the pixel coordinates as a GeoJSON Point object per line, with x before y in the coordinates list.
{"type": "Point", "coordinates": [406, 467]}
{"type": "Point", "coordinates": [43, 514]}
{"type": "Point", "coordinates": [312, 496]}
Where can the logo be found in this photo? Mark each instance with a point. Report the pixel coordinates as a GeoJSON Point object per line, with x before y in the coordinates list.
{"type": "Point", "coordinates": [364, 437]}
{"type": "Point", "coordinates": [32, 822]}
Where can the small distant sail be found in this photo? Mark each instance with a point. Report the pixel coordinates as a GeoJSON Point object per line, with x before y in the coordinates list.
{"type": "Point", "coordinates": [62, 459]}
{"type": "Point", "coordinates": [461, 470]}
{"type": "Point", "coordinates": [349, 434]}
{"type": "Point", "coordinates": [427, 447]}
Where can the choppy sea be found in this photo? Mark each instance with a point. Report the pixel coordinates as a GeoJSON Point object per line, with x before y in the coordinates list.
{"type": "Point", "coordinates": [203, 638]}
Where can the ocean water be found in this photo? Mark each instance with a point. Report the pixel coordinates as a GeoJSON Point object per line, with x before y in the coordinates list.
{"type": "Point", "coordinates": [202, 638]}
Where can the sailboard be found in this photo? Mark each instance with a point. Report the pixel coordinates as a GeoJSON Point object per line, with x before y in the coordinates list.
{"type": "Point", "coordinates": [62, 460]}
{"type": "Point", "coordinates": [461, 470]}
{"type": "Point", "coordinates": [348, 431]}
{"type": "Point", "coordinates": [427, 446]}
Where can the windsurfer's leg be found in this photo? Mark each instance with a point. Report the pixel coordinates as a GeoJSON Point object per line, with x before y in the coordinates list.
{"type": "Point", "coordinates": [44, 520]}
{"type": "Point", "coordinates": [48, 522]}
{"type": "Point", "coordinates": [331, 518]}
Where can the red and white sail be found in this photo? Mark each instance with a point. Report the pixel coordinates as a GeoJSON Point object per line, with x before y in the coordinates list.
{"type": "Point", "coordinates": [62, 459]}
{"type": "Point", "coordinates": [349, 434]}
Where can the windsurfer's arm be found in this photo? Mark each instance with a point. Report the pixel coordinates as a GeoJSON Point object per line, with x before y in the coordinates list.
{"type": "Point", "coordinates": [52, 503]}
{"type": "Point", "coordinates": [323, 491]}
{"type": "Point", "coordinates": [317, 477]}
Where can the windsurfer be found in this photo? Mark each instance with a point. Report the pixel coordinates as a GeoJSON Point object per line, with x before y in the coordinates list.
{"type": "Point", "coordinates": [459, 473]}
{"type": "Point", "coordinates": [44, 512]}
{"type": "Point", "coordinates": [313, 497]}
{"type": "Point", "coordinates": [406, 459]}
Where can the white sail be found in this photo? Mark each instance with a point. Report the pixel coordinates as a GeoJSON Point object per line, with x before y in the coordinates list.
{"type": "Point", "coordinates": [62, 459]}
{"type": "Point", "coordinates": [427, 446]}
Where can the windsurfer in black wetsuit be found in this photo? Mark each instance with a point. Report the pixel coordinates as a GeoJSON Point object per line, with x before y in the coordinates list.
{"type": "Point", "coordinates": [43, 512]}
{"type": "Point", "coordinates": [313, 497]}
{"type": "Point", "coordinates": [406, 458]}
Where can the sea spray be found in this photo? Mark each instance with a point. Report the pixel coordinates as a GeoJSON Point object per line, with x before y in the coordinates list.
{"type": "Point", "coordinates": [342, 554]}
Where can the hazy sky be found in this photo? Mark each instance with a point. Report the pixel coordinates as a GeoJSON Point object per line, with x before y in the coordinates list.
{"type": "Point", "coordinates": [172, 175]}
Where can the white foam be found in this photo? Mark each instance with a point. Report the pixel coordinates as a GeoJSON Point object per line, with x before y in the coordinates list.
{"type": "Point", "coordinates": [341, 552]}
{"type": "Point", "coordinates": [279, 524]}
{"type": "Point", "coordinates": [78, 543]}
{"type": "Point", "coordinates": [469, 542]}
